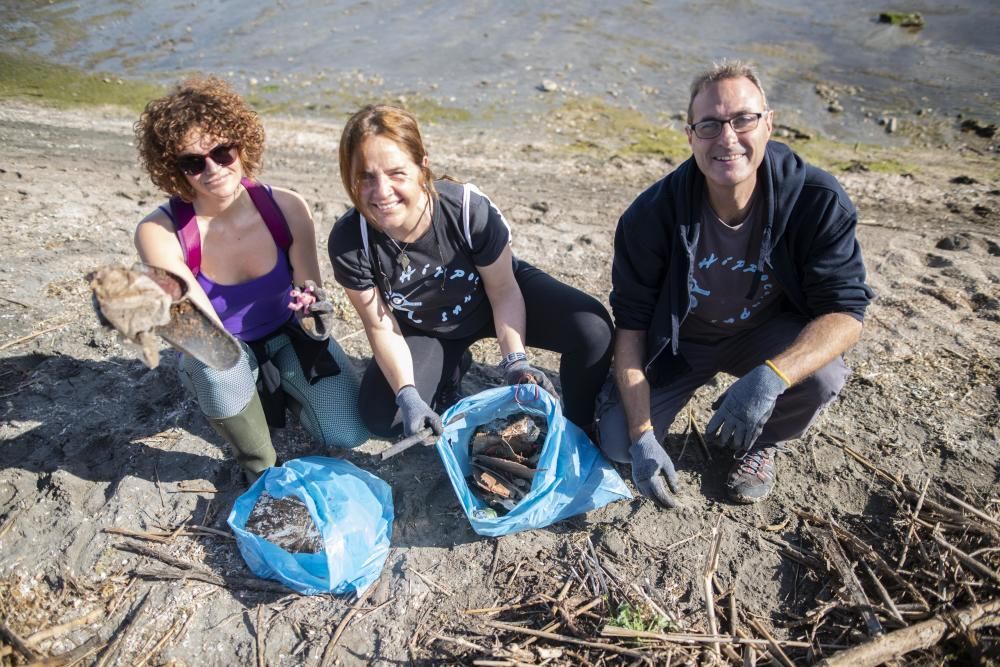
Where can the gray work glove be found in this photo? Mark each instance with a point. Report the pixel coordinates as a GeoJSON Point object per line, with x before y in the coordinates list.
{"type": "Point", "coordinates": [313, 309]}
{"type": "Point", "coordinates": [415, 413]}
{"type": "Point", "coordinates": [651, 467]}
{"type": "Point", "coordinates": [745, 407]}
{"type": "Point", "coordinates": [521, 372]}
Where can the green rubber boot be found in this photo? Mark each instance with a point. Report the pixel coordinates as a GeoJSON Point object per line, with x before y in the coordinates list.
{"type": "Point", "coordinates": [248, 435]}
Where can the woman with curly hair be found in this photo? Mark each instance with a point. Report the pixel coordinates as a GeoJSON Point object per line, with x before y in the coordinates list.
{"type": "Point", "coordinates": [248, 254]}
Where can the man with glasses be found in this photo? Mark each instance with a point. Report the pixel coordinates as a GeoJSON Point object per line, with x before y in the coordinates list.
{"type": "Point", "coordinates": [743, 260]}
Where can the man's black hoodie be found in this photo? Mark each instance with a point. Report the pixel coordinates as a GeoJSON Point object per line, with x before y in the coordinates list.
{"type": "Point", "coordinates": [808, 245]}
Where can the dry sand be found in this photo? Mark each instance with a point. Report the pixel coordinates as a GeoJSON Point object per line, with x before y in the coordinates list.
{"type": "Point", "coordinates": [91, 440]}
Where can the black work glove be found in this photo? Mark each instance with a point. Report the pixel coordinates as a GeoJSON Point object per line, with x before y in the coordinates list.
{"type": "Point", "coordinates": [521, 372]}
{"type": "Point", "coordinates": [746, 406]}
{"type": "Point", "coordinates": [313, 309]}
{"type": "Point", "coordinates": [415, 413]}
{"type": "Point", "coordinates": [652, 469]}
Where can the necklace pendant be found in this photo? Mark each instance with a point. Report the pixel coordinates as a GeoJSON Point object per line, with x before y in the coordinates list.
{"type": "Point", "coordinates": [403, 260]}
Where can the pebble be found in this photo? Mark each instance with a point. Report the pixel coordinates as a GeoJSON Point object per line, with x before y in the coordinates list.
{"type": "Point", "coordinates": [891, 125]}
{"type": "Point", "coordinates": [548, 86]}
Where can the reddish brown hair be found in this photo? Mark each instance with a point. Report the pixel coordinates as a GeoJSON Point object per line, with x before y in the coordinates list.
{"type": "Point", "coordinates": [393, 123]}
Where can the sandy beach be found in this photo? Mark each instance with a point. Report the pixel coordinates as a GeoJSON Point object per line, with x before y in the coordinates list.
{"type": "Point", "coordinates": [114, 491]}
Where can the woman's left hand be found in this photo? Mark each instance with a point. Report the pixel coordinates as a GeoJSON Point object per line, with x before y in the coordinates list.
{"type": "Point", "coordinates": [313, 310]}
{"type": "Point", "coordinates": [521, 372]}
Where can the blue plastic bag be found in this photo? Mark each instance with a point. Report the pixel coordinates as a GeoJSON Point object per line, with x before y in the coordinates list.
{"type": "Point", "coordinates": [352, 511]}
{"type": "Point", "coordinates": [573, 477]}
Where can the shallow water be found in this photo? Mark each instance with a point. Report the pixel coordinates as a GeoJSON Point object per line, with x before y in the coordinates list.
{"type": "Point", "coordinates": [491, 57]}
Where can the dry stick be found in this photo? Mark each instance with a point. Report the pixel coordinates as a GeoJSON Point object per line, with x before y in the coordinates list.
{"type": "Point", "coordinates": [457, 640]}
{"type": "Point", "coordinates": [496, 610]}
{"type": "Point", "coordinates": [197, 572]}
{"type": "Point", "coordinates": [864, 550]}
{"type": "Point", "coordinates": [564, 639]}
{"type": "Point", "coordinates": [14, 640]}
{"type": "Point", "coordinates": [916, 637]}
{"type": "Point", "coordinates": [835, 554]}
{"type": "Point", "coordinates": [913, 522]}
{"type": "Point", "coordinates": [162, 536]}
{"type": "Point", "coordinates": [24, 339]}
{"type": "Point", "coordinates": [158, 645]}
{"type": "Point", "coordinates": [656, 609]}
{"type": "Point", "coordinates": [964, 505]}
{"type": "Point", "coordinates": [496, 559]}
{"type": "Point", "coordinates": [884, 594]}
{"type": "Point", "coordinates": [430, 582]}
{"type": "Point", "coordinates": [260, 635]}
{"type": "Point", "coordinates": [711, 563]}
{"type": "Point", "coordinates": [205, 577]}
{"type": "Point", "coordinates": [122, 634]}
{"type": "Point", "coordinates": [773, 644]}
{"type": "Point", "coordinates": [72, 656]}
{"type": "Point", "coordinates": [598, 568]}
{"type": "Point", "coordinates": [9, 523]}
{"type": "Point", "coordinates": [15, 302]}
{"type": "Point", "coordinates": [56, 630]}
{"type": "Point", "coordinates": [342, 626]}
{"type": "Point", "coordinates": [966, 559]}
{"type": "Point", "coordinates": [689, 638]}
{"type": "Point", "coordinates": [693, 424]}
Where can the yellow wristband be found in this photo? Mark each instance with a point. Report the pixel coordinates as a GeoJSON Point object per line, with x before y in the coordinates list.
{"type": "Point", "coordinates": [770, 364]}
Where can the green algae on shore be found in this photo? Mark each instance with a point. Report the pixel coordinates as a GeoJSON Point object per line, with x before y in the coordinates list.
{"type": "Point", "coordinates": [601, 126]}
{"type": "Point", "coordinates": [24, 77]}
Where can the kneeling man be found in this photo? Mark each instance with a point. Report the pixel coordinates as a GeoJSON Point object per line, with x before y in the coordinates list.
{"type": "Point", "coordinates": [743, 260]}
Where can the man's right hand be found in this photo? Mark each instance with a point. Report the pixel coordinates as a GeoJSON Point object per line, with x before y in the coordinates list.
{"type": "Point", "coordinates": [652, 469]}
{"type": "Point", "coordinates": [415, 413]}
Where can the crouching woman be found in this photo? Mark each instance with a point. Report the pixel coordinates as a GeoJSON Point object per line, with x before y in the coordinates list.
{"type": "Point", "coordinates": [428, 266]}
{"type": "Point", "coordinates": [248, 254]}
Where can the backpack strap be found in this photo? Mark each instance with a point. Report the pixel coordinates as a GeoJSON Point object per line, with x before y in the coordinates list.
{"type": "Point", "coordinates": [185, 222]}
{"type": "Point", "coordinates": [364, 237]}
{"type": "Point", "coordinates": [187, 232]}
{"type": "Point", "coordinates": [263, 199]}
{"type": "Point", "coordinates": [467, 189]}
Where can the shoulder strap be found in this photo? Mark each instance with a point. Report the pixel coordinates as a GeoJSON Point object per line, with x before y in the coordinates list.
{"type": "Point", "coordinates": [187, 232]}
{"type": "Point", "coordinates": [263, 199]}
{"type": "Point", "coordinates": [467, 189]}
{"type": "Point", "coordinates": [364, 237]}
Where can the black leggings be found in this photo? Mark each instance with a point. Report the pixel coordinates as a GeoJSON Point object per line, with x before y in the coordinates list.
{"type": "Point", "coordinates": [560, 318]}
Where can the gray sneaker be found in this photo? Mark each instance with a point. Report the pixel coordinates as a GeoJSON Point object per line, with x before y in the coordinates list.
{"type": "Point", "coordinates": [752, 477]}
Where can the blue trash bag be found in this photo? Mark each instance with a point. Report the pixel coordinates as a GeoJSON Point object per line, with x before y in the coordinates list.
{"type": "Point", "coordinates": [352, 511]}
{"type": "Point", "coordinates": [573, 477]}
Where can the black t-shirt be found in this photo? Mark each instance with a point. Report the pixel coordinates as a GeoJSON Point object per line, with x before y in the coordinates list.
{"type": "Point", "coordinates": [723, 274]}
{"type": "Point", "coordinates": [437, 288]}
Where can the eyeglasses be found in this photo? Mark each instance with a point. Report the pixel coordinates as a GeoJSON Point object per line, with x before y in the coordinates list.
{"type": "Point", "coordinates": [192, 164]}
{"type": "Point", "coordinates": [711, 128]}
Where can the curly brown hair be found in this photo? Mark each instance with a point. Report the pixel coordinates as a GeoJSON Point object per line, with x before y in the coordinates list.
{"type": "Point", "coordinates": [206, 103]}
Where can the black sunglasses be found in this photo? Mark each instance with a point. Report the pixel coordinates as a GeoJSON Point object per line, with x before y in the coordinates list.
{"type": "Point", "coordinates": [192, 165]}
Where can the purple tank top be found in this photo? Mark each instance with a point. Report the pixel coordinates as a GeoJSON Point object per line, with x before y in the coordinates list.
{"type": "Point", "coordinates": [253, 309]}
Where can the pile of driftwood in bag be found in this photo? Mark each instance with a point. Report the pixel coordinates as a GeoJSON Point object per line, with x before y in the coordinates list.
{"type": "Point", "coordinates": [286, 523]}
{"type": "Point", "coordinates": [504, 453]}
{"type": "Point", "coordinates": [927, 584]}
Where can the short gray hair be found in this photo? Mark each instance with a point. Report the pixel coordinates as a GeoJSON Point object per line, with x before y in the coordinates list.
{"type": "Point", "coordinates": [727, 69]}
